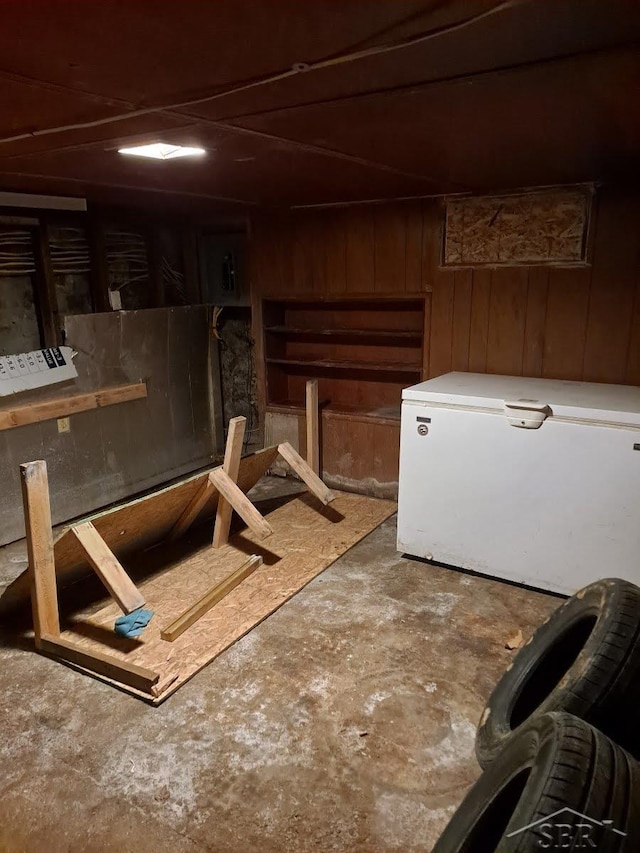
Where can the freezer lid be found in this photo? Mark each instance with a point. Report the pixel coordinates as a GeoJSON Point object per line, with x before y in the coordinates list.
{"type": "Point", "coordinates": [590, 401]}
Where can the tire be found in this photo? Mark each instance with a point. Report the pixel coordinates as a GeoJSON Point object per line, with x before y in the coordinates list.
{"type": "Point", "coordinates": [563, 776]}
{"type": "Point", "coordinates": [585, 659]}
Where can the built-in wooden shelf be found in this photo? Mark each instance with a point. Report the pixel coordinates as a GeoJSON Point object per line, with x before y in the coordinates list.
{"type": "Point", "coordinates": [363, 352]}
{"type": "Point", "coordinates": [383, 414]}
{"type": "Point", "coordinates": [396, 367]}
{"type": "Point", "coordinates": [392, 334]}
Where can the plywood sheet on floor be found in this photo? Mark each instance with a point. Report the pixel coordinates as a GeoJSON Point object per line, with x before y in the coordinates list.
{"type": "Point", "coordinates": [307, 537]}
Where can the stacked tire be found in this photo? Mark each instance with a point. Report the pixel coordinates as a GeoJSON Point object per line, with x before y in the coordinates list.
{"type": "Point", "coordinates": [559, 737]}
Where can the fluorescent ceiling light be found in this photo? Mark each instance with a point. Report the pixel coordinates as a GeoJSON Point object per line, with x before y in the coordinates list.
{"type": "Point", "coordinates": [162, 151]}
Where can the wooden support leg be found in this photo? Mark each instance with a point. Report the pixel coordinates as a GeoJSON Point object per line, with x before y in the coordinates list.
{"type": "Point", "coordinates": [107, 567]}
{"type": "Point", "coordinates": [42, 570]}
{"type": "Point", "coordinates": [313, 426]}
{"type": "Point", "coordinates": [241, 503]}
{"type": "Point", "coordinates": [231, 467]}
{"type": "Point", "coordinates": [305, 473]}
{"type": "Point", "coordinates": [191, 512]}
{"type": "Point", "coordinates": [128, 673]}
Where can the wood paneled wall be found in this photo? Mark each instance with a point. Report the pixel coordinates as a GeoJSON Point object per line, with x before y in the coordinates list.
{"type": "Point", "coordinates": [362, 249]}
{"type": "Point", "coordinates": [580, 323]}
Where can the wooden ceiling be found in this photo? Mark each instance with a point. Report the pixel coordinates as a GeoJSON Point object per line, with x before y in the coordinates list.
{"type": "Point", "coordinates": [417, 97]}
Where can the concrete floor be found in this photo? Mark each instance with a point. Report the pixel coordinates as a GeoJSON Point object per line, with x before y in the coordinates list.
{"type": "Point", "coordinates": [344, 722]}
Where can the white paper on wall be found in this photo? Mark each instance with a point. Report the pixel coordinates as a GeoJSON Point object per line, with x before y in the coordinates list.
{"type": "Point", "coordinates": [34, 369]}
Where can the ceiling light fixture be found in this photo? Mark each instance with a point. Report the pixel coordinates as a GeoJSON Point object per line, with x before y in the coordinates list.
{"type": "Point", "coordinates": [162, 151]}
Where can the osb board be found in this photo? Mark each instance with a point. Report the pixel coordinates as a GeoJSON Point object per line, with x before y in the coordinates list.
{"type": "Point", "coordinates": [136, 525]}
{"type": "Point", "coordinates": [307, 537]}
{"type": "Point", "coordinates": [548, 227]}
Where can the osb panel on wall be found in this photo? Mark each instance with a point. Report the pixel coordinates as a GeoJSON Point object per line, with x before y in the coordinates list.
{"type": "Point", "coordinates": [547, 227]}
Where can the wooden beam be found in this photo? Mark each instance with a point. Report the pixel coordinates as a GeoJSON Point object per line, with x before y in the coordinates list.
{"type": "Point", "coordinates": [42, 570]}
{"type": "Point", "coordinates": [231, 467]}
{"type": "Point", "coordinates": [99, 274]}
{"type": "Point", "coordinates": [121, 394]}
{"type": "Point", "coordinates": [61, 407]}
{"type": "Point", "coordinates": [121, 588]}
{"type": "Point", "coordinates": [305, 473]}
{"type": "Point", "coordinates": [46, 297]}
{"type": "Point", "coordinates": [215, 594]}
{"type": "Point", "coordinates": [191, 511]}
{"type": "Point", "coordinates": [130, 674]}
{"type": "Point", "coordinates": [313, 426]}
{"type": "Point", "coordinates": [241, 503]}
{"type": "Point", "coordinates": [46, 410]}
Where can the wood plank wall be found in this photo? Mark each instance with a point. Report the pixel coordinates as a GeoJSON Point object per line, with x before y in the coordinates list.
{"type": "Point", "coordinates": [364, 249]}
{"type": "Point", "coordinates": [563, 323]}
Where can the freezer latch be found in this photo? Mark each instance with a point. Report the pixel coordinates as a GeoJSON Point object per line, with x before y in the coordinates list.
{"type": "Point", "coordinates": [526, 414]}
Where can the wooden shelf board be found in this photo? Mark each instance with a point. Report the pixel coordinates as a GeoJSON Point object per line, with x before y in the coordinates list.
{"type": "Point", "coordinates": [63, 406]}
{"type": "Point", "coordinates": [349, 365]}
{"type": "Point", "coordinates": [347, 333]}
{"type": "Point", "coordinates": [384, 414]}
{"type": "Point", "coordinates": [366, 300]}
{"type": "Point", "coordinates": [365, 341]}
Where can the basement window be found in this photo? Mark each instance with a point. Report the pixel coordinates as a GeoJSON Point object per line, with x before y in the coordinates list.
{"type": "Point", "coordinates": [162, 151]}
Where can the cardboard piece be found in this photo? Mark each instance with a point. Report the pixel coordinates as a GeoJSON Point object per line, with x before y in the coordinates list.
{"type": "Point", "coordinates": [35, 369]}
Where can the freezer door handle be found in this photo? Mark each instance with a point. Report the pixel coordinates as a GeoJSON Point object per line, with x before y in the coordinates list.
{"type": "Point", "coordinates": [526, 414]}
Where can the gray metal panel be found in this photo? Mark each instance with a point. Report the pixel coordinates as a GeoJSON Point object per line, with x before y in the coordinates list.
{"type": "Point", "coordinates": [115, 452]}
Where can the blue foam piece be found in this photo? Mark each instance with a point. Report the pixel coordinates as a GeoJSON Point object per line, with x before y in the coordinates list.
{"type": "Point", "coordinates": [132, 624]}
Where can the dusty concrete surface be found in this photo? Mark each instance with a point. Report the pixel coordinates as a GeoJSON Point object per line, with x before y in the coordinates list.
{"type": "Point", "coordinates": [344, 722]}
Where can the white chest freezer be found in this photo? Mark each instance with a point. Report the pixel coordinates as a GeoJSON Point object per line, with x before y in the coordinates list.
{"type": "Point", "coordinates": [532, 480]}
